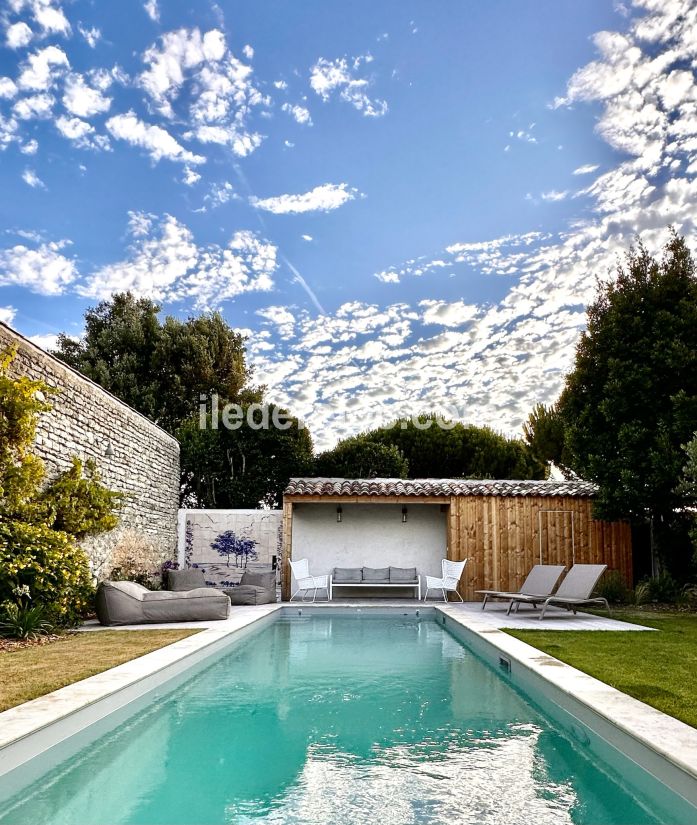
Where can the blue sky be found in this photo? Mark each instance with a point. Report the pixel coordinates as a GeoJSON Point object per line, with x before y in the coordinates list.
{"type": "Point", "coordinates": [405, 204]}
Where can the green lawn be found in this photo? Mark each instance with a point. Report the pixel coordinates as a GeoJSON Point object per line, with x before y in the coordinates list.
{"type": "Point", "coordinates": [657, 668]}
{"type": "Point", "coordinates": [34, 671]}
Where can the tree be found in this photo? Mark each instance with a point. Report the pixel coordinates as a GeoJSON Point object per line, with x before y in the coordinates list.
{"type": "Point", "coordinates": [631, 398]}
{"type": "Point", "coordinates": [544, 434]}
{"type": "Point", "coordinates": [159, 369]}
{"type": "Point", "coordinates": [359, 457]}
{"type": "Point", "coordinates": [435, 448]}
{"type": "Point", "coordinates": [228, 544]}
{"type": "Point", "coordinates": [688, 490]}
{"type": "Point", "coordinates": [245, 467]}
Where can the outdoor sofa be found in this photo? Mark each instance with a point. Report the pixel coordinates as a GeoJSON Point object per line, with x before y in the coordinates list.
{"type": "Point", "coordinates": [123, 603]}
{"type": "Point", "coordinates": [371, 577]}
{"type": "Point", "coordinates": [254, 588]}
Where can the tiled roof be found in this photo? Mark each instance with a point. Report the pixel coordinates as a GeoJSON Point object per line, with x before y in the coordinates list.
{"type": "Point", "coordinates": [434, 487]}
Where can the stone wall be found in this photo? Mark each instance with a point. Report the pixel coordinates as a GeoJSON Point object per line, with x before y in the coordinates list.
{"type": "Point", "coordinates": [134, 456]}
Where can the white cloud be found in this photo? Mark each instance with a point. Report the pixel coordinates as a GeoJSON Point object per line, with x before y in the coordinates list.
{"type": "Point", "coordinates": [554, 195]}
{"type": "Point", "coordinates": [281, 318]}
{"type": "Point", "coordinates": [525, 135]}
{"type": "Point", "coordinates": [165, 263]}
{"type": "Point", "coordinates": [47, 14]}
{"type": "Point", "coordinates": [167, 63]}
{"type": "Point", "coordinates": [248, 51]}
{"type": "Point", "coordinates": [7, 315]}
{"type": "Point", "coordinates": [42, 68]}
{"type": "Point", "coordinates": [18, 35]}
{"type": "Point", "coordinates": [157, 142]}
{"type": "Point", "coordinates": [198, 73]}
{"type": "Point", "coordinates": [448, 314]}
{"type": "Point", "coordinates": [47, 341]}
{"type": "Point", "coordinates": [83, 101]}
{"type": "Point", "coordinates": [35, 106]}
{"type": "Point", "coordinates": [44, 269]}
{"type": "Point", "coordinates": [91, 35]}
{"type": "Point", "coordinates": [30, 177]}
{"type": "Point", "coordinates": [322, 198]}
{"type": "Point", "coordinates": [330, 77]}
{"type": "Point", "coordinates": [299, 113]}
{"type": "Point", "coordinates": [81, 133]}
{"type": "Point", "coordinates": [152, 10]}
{"type": "Point", "coordinates": [307, 238]}
{"type": "Point", "coordinates": [31, 147]}
{"type": "Point", "coordinates": [588, 169]}
{"type": "Point", "coordinates": [8, 88]}
{"type": "Point", "coordinates": [280, 84]}
{"type": "Point", "coordinates": [190, 176]}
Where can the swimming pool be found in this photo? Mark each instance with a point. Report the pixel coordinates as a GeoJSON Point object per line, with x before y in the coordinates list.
{"type": "Point", "coordinates": [325, 718]}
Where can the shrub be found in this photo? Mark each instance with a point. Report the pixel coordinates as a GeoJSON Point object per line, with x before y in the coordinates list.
{"type": "Point", "coordinates": [135, 558]}
{"type": "Point", "coordinates": [661, 590]}
{"type": "Point", "coordinates": [79, 504]}
{"type": "Point", "coordinates": [613, 587]}
{"type": "Point", "coordinates": [48, 567]}
{"type": "Point", "coordinates": [17, 622]}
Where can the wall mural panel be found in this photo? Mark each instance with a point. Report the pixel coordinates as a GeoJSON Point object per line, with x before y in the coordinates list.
{"type": "Point", "coordinates": [225, 543]}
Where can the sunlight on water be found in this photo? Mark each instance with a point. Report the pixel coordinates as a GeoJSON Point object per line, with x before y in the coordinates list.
{"type": "Point", "coordinates": [331, 721]}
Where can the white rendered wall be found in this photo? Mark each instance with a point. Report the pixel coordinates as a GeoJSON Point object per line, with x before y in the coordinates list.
{"type": "Point", "coordinates": [369, 535]}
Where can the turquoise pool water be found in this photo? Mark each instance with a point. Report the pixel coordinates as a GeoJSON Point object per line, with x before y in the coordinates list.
{"type": "Point", "coordinates": [330, 720]}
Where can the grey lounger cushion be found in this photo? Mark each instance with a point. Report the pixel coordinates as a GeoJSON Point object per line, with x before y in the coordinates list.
{"type": "Point", "coordinates": [346, 575]}
{"type": "Point", "coordinates": [376, 574]}
{"type": "Point", "coordinates": [188, 579]}
{"type": "Point", "coordinates": [120, 603]}
{"type": "Point", "coordinates": [403, 574]}
{"type": "Point", "coordinates": [249, 594]}
{"type": "Point", "coordinates": [254, 588]}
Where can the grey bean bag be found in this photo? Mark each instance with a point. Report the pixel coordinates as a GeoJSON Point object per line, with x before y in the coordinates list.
{"type": "Point", "coordinates": [254, 588]}
{"type": "Point", "coordinates": [188, 579]}
{"type": "Point", "coordinates": [130, 603]}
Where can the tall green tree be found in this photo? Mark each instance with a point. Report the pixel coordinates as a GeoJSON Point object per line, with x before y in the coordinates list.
{"type": "Point", "coordinates": [248, 466]}
{"type": "Point", "coordinates": [451, 451]}
{"type": "Point", "coordinates": [359, 457]}
{"type": "Point", "coordinates": [630, 401]}
{"type": "Point", "coordinates": [159, 368]}
{"type": "Point", "coordinates": [545, 436]}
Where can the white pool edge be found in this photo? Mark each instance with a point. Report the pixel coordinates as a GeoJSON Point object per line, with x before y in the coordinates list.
{"type": "Point", "coordinates": [29, 729]}
{"type": "Point", "coordinates": [660, 744]}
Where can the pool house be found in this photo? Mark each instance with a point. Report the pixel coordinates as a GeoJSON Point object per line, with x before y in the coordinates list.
{"type": "Point", "coordinates": [502, 527]}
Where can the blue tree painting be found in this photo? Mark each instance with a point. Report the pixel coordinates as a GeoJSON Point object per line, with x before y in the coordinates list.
{"type": "Point", "coordinates": [242, 549]}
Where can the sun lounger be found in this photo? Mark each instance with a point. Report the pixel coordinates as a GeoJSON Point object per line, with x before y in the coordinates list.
{"type": "Point", "coordinates": [540, 581]}
{"type": "Point", "coordinates": [574, 592]}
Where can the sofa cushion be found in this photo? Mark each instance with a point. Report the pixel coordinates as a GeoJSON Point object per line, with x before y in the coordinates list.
{"type": "Point", "coordinates": [263, 578]}
{"type": "Point", "coordinates": [133, 589]}
{"type": "Point", "coordinates": [403, 574]}
{"type": "Point", "coordinates": [346, 575]}
{"type": "Point", "coordinates": [187, 579]}
{"type": "Point", "coordinates": [376, 574]}
{"type": "Point", "coordinates": [248, 594]}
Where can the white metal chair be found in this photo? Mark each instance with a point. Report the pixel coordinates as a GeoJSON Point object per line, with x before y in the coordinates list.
{"type": "Point", "coordinates": [306, 582]}
{"type": "Point", "coordinates": [452, 570]}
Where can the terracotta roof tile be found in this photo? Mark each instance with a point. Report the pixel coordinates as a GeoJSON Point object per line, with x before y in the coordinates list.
{"type": "Point", "coordinates": [435, 487]}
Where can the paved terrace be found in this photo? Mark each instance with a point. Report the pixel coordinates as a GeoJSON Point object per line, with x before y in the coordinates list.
{"type": "Point", "coordinates": [469, 613]}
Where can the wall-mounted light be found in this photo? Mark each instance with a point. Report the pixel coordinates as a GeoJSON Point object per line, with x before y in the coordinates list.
{"type": "Point", "coordinates": [109, 450]}
{"type": "Point", "coordinates": [339, 514]}
{"type": "Point", "coordinates": [404, 515]}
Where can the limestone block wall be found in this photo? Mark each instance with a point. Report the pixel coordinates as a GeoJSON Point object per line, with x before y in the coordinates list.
{"type": "Point", "coordinates": [254, 537]}
{"type": "Point", "coordinates": [134, 456]}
